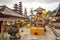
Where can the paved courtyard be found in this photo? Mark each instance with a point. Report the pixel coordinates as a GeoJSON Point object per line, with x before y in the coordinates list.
{"type": "Point", "coordinates": [49, 35]}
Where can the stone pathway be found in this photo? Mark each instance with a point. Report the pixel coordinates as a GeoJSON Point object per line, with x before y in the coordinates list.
{"type": "Point", "coordinates": [27, 36]}
{"type": "Point", "coordinates": [49, 35]}
{"type": "Point", "coordinates": [57, 30]}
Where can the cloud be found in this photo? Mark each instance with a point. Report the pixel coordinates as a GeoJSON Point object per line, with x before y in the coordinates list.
{"type": "Point", "coordinates": [46, 4]}
{"type": "Point", "coordinates": [41, 1]}
{"type": "Point", "coordinates": [51, 1]}
{"type": "Point", "coordinates": [31, 3]}
{"type": "Point", "coordinates": [48, 1]}
{"type": "Point", "coordinates": [28, 1]}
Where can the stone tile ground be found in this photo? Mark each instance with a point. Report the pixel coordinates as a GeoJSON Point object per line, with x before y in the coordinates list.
{"type": "Point", "coordinates": [49, 35]}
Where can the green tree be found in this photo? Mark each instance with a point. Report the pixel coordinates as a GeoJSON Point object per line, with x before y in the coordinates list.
{"type": "Point", "coordinates": [49, 13]}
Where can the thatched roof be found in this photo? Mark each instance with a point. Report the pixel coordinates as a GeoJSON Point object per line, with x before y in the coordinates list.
{"type": "Point", "coordinates": [7, 11]}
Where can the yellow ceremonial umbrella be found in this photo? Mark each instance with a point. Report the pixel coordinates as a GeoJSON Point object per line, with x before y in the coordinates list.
{"type": "Point", "coordinates": [44, 12]}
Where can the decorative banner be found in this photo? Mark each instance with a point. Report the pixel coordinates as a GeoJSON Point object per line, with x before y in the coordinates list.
{"type": "Point", "coordinates": [30, 22]}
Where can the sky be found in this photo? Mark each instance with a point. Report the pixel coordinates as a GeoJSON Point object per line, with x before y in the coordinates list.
{"type": "Point", "coordinates": [46, 4]}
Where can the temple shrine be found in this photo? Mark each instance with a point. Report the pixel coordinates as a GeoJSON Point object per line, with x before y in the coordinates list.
{"type": "Point", "coordinates": [56, 17]}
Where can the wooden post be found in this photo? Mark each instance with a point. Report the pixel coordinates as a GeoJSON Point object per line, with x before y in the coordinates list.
{"type": "Point", "coordinates": [18, 25]}
{"type": "Point", "coordinates": [2, 31]}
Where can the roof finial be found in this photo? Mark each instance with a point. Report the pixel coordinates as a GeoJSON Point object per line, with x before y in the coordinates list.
{"type": "Point", "coordinates": [31, 10]}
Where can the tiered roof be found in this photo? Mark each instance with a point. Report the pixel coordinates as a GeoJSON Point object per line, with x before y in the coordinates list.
{"type": "Point", "coordinates": [39, 9]}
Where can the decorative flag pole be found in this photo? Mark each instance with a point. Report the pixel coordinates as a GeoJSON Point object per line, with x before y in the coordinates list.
{"type": "Point", "coordinates": [31, 16]}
